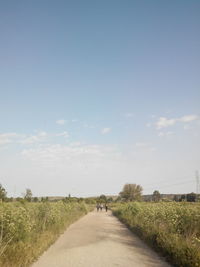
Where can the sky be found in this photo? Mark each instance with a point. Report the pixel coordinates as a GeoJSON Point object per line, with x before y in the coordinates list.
{"type": "Point", "coordinates": [97, 94]}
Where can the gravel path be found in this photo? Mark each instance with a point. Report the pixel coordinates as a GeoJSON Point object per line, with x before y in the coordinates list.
{"type": "Point", "coordinates": [99, 240]}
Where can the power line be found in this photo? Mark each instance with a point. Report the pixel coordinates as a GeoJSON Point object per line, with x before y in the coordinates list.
{"type": "Point", "coordinates": [170, 185]}
{"type": "Point", "coordinates": [164, 181]}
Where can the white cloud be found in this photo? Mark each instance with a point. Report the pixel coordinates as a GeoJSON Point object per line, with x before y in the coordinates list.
{"type": "Point", "coordinates": [165, 122]}
{"type": "Point", "coordinates": [75, 168]}
{"type": "Point", "coordinates": [71, 156]}
{"type": "Point", "coordinates": [8, 135]}
{"type": "Point", "coordinates": [61, 122]}
{"type": "Point", "coordinates": [106, 130]}
{"type": "Point", "coordinates": [7, 138]}
{"type": "Point", "coordinates": [4, 141]}
{"type": "Point", "coordinates": [189, 118]}
{"type": "Point", "coordinates": [93, 169]}
{"type": "Point", "coordinates": [74, 144]}
{"type": "Point", "coordinates": [42, 134]}
{"type": "Point", "coordinates": [64, 134]}
{"type": "Point", "coordinates": [28, 140]}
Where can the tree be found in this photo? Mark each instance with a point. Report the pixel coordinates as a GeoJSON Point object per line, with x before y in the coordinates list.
{"type": "Point", "coordinates": [45, 199]}
{"type": "Point", "coordinates": [176, 198]}
{"type": "Point", "coordinates": [35, 199]}
{"type": "Point", "coordinates": [110, 200]}
{"type": "Point", "coordinates": [118, 199]}
{"type": "Point", "coordinates": [28, 195]}
{"type": "Point", "coordinates": [156, 196]}
{"type": "Point", "coordinates": [191, 197]}
{"type": "Point", "coordinates": [102, 198]}
{"type": "Point", "coordinates": [3, 193]}
{"type": "Point", "coordinates": [90, 200]}
{"type": "Point", "coordinates": [21, 200]}
{"type": "Point", "coordinates": [182, 198]}
{"type": "Point", "coordinates": [131, 192]}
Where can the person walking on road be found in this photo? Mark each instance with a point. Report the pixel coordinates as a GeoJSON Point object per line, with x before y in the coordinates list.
{"type": "Point", "coordinates": [101, 207]}
{"type": "Point", "coordinates": [106, 207]}
{"type": "Point", "coordinates": [98, 206]}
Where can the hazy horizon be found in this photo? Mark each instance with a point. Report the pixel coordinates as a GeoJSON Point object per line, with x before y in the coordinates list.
{"type": "Point", "coordinates": [94, 95]}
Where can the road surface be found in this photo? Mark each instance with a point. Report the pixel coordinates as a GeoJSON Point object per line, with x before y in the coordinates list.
{"type": "Point", "coordinates": [99, 240]}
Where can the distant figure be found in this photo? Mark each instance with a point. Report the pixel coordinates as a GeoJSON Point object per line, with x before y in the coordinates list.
{"type": "Point", "coordinates": [101, 207]}
{"type": "Point", "coordinates": [98, 206]}
{"type": "Point", "coordinates": [106, 207]}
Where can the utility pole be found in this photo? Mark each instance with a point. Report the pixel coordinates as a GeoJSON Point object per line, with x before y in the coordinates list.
{"type": "Point", "coordinates": [14, 192]}
{"type": "Point", "coordinates": [197, 186]}
{"type": "Point", "coordinates": [197, 182]}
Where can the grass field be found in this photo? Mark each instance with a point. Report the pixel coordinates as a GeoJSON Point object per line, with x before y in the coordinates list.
{"type": "Point", "coordinates": [173, 229]}
{"type": "Point", "coordinates": [26, 230]}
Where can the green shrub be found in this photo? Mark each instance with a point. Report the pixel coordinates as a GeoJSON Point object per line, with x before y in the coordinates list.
{"type": "Point", "coordinates": [172, 228]}
{"type": "Point", "coordinates": [27, 229]}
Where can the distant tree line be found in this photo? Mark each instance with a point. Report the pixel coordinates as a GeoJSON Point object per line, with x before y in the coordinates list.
{"type": "Point", "coordinates": [130, 192]}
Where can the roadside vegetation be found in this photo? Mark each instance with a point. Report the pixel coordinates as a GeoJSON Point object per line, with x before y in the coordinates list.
{"type": "Point", "coordinates": [27, 229]}
{"type": "Point", "coordinates": [29, 225]}
{"type": "Point", "coordinates": [172, 228]}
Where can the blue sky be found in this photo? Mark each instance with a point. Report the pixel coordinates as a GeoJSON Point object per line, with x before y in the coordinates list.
{"type": "Point", "coordinates": [95, 94]}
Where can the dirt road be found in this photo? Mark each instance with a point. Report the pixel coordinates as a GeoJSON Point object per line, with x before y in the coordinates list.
{"type": "Point", "coordinates": [99, 240]}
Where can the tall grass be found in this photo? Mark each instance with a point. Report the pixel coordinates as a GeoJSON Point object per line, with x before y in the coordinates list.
{"type": "Point", "coordinates": [26, 230]}
{"type": "Point", "coordinates": [171, 228]}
